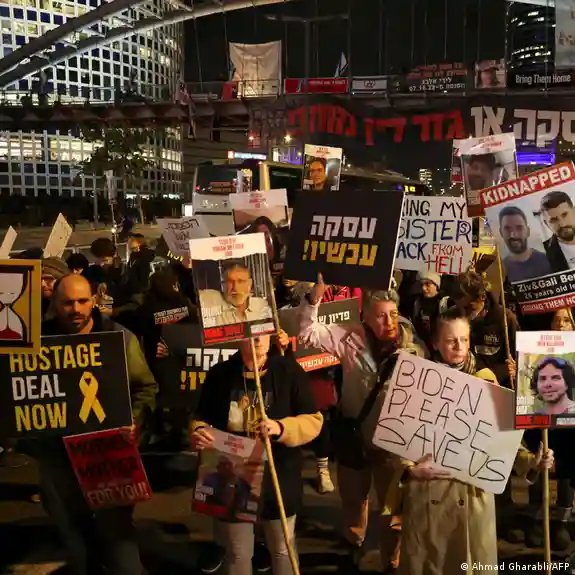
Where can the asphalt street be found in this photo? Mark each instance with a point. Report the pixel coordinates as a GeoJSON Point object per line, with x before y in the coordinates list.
{"type": "Point", "coordinates": [171, 536]}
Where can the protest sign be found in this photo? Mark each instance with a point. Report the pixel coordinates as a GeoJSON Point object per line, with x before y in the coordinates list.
{"type": "Point", "coordinates": [264, 212]}
{"type": "Point", "coordinates": [545, 392]}
{"type": "Point", "coordinates": [20, 306]}
{"type": "Point", "coordinates": [179, 231]}
{"type": "Point", "coordinates": [465, 423]}
{"type": "Point", "coordinates": [59, 237]}
{"type": "Point", "coordinates": [108, 468]}
{"type": "Point", "coordinates": [230, 478]}
{"type": "Point", "coordinates": [435, 235]}
{"type": "Point", "coordinates": [8, 243]}
{"type": "Point", "coordinates": [233, 282]}
{"type": "Point", "coordinates": [322, 168]}
{"type": "Point", "coordinates": [75, 384]}
{"type": "Point", "coordinates": [181, 375]}
{"type": "Point", "coordinates": [533, 221]}
{"type": "Point", "coordinates": [485, 162]}
{"type": "Point", "coordinates": [344, 312]}
{"type": "Point", "coordinates": [352, 243]}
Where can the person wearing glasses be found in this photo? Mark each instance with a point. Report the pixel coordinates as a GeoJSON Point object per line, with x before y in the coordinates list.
{"type": "Point", "coordinates": [553, 381]}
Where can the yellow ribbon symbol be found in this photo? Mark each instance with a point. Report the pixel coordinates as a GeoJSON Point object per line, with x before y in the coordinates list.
{"type": "Point", "coordinates": [89, 389]}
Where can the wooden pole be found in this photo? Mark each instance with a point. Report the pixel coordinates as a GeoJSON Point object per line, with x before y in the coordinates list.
{"type": "Point", "coordinates": [546, 531]}
{"type": "Point", "coordinates": [267, 443]}
{"type": "Point", "coordinates": [505, 324]}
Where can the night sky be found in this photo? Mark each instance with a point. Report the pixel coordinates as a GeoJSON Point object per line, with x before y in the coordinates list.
{"type": "Point", "coordinates": [386, 36]}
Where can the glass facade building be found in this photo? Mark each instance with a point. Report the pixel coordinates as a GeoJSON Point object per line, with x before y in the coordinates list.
{"type": "Point", "coordinates": [44, 164]}
{"type": "Point", "coordinates": [531, 37]}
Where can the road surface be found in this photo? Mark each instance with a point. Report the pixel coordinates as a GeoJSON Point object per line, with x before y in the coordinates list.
{"type": "Point", "coordinates": [171, 536]}
{"type": "Point", "coordinates": [82, 236]}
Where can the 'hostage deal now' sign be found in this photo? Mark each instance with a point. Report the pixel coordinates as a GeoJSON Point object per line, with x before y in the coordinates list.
{"type": "Point", "coordinates": [76, 384]}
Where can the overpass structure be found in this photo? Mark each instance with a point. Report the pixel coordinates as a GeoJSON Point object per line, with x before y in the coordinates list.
{"type": "Point", "coordinates": [40, 54]}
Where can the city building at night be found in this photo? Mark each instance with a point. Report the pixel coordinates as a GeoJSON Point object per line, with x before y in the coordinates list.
{"type": "Point", "coordinates": [150, 63]}
{"type": "Point", "coordinates": [530, 37]}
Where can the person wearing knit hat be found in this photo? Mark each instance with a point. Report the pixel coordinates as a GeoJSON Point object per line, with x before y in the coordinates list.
{"type": "Point", "coordinates": [53, 269]}
{"type": "Point", "coordinates": [428, 305]}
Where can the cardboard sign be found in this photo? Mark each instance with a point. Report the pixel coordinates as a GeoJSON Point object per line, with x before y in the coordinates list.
{"type": "Point", "coordinates": [8, 243]}
{"type": "Point", "coordinates": [230, 478]}
{"type": "Point", "coordinates": [233, 282]}
{"type": "Point", "coordinates": [20, 306]}
{"type": "Point", "coordinates": [533, 221]}
{"type": "Point", "coordinates": [179, 231]}
{"type": "Point", "coordinates": [59, 238]}
{"type": "Point", "coordinates": [352, 243]}
{"type": "Point", "coordinates": [75, 384]}
{"type": "Point", "coordinates": [545, 394]}
{"type": "Point", "coordinates": [108, 468]}
{"type": "Point", "coordinates": [465, 423]}
{"type": "Point", "coordinates": [435, 235]}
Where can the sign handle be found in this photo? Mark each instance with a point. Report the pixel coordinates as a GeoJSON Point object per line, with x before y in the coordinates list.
{"type": "Point", "coordinates": [273, 472]}
{"type": "Point", "coordinates": [546, 532]}
{"type": "Point", "coordinates": [505, 324]}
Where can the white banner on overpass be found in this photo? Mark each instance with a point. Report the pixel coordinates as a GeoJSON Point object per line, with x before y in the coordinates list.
{"type": "Point", "coordinates": [564, 34]}
{"type": "Point", "coordinates": [369, 84]}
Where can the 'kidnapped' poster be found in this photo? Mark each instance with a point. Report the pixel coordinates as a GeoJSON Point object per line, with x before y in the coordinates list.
{"type": "Point", "coordinates": [533, 220]}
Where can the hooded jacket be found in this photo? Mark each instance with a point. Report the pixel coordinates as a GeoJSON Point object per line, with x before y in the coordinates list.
{"type": "Point", "coordinates": [351, 345]}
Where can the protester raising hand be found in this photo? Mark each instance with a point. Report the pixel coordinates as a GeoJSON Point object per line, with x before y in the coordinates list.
{"type": "Point", "coordinates": [318, 291]}
{"type": "Point", "coordinates": [426, 470]}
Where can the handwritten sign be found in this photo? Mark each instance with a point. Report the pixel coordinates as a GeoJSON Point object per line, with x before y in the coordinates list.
{"type": "Point", "coordinates": [8, 243]}
{"type": "Point", "coordinates": [349, 242]}
{"type": "Point", "coordinates": [59, 238]}
{"type": "Point", "coordinates": [435, 235]}
{"type": "Point", "coordinates": [465, 423]}
{"type": "Point", "coordinates": [108, 468]}
{"type": "Point", "coordinates": [179, 231]}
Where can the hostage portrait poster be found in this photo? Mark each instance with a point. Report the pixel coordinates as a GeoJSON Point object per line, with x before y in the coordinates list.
{"type": "Point", "coordinates": [545, 393]}
{"type": "Point", "coordinates": [464, 422]}
{"type": "Point", "coordinates": [233, 282]}
{"type": "Point", "coordinates": [322, 168]}
{"type": "Point", "coordinates": [533, 221]}
{"type": "Point", "coordinates": [485, 162]}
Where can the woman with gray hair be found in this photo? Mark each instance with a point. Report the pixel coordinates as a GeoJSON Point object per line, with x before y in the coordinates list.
{"type": "Point", "coordinates": [367, 353]}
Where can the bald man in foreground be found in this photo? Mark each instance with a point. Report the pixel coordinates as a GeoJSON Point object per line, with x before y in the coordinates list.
{"type": "Point", "coordinates": [103, 541]}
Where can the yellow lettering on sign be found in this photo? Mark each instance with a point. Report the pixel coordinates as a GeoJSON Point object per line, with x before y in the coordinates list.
{"type": "Point", "coordinates": [57, 357]}
{"type": "Point", "coordinates": [39, 417]}
{"type": "Point", "coordinates": [189, 380]}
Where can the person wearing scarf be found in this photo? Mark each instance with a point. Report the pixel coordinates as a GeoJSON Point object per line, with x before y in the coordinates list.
{"type": "Point", "coordinates": [447, 523]}
{"type": "Point", "coordinates": [364, 351]}
{"type": "Point", "coordinates": [228, 402]}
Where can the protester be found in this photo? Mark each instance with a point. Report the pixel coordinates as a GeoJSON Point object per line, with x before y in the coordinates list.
{"type": "Point", "coordinates": [293, 422]}
{"type": "Point", "coordinates": [488, 334]}
{"type": "Point", "coordinates": [428, 306]}
{"type": "Point", "coordinates": [107, 537]}
{"type": "Point", "coordinates": [366, 352]}
{"type": "Point", "coordinates": [53, 269]}
{"type": "Point", "coordinates": [446, 523]}
{"type": "Point", "coordinates": [106, 269]}
{"type": "Point", "coordinates": [77, 263]}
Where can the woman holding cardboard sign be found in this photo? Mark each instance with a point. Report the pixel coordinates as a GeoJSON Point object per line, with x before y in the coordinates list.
{"type": "Point", "coordinates": [449, 526]}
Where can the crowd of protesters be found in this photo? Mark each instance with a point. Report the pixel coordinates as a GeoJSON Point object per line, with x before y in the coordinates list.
{"type": "Point", "coordinates": [429, 522]}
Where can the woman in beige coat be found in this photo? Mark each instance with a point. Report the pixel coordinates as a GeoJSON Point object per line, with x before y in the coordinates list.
{"type": "Point", "coordinates": [446, 523]}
